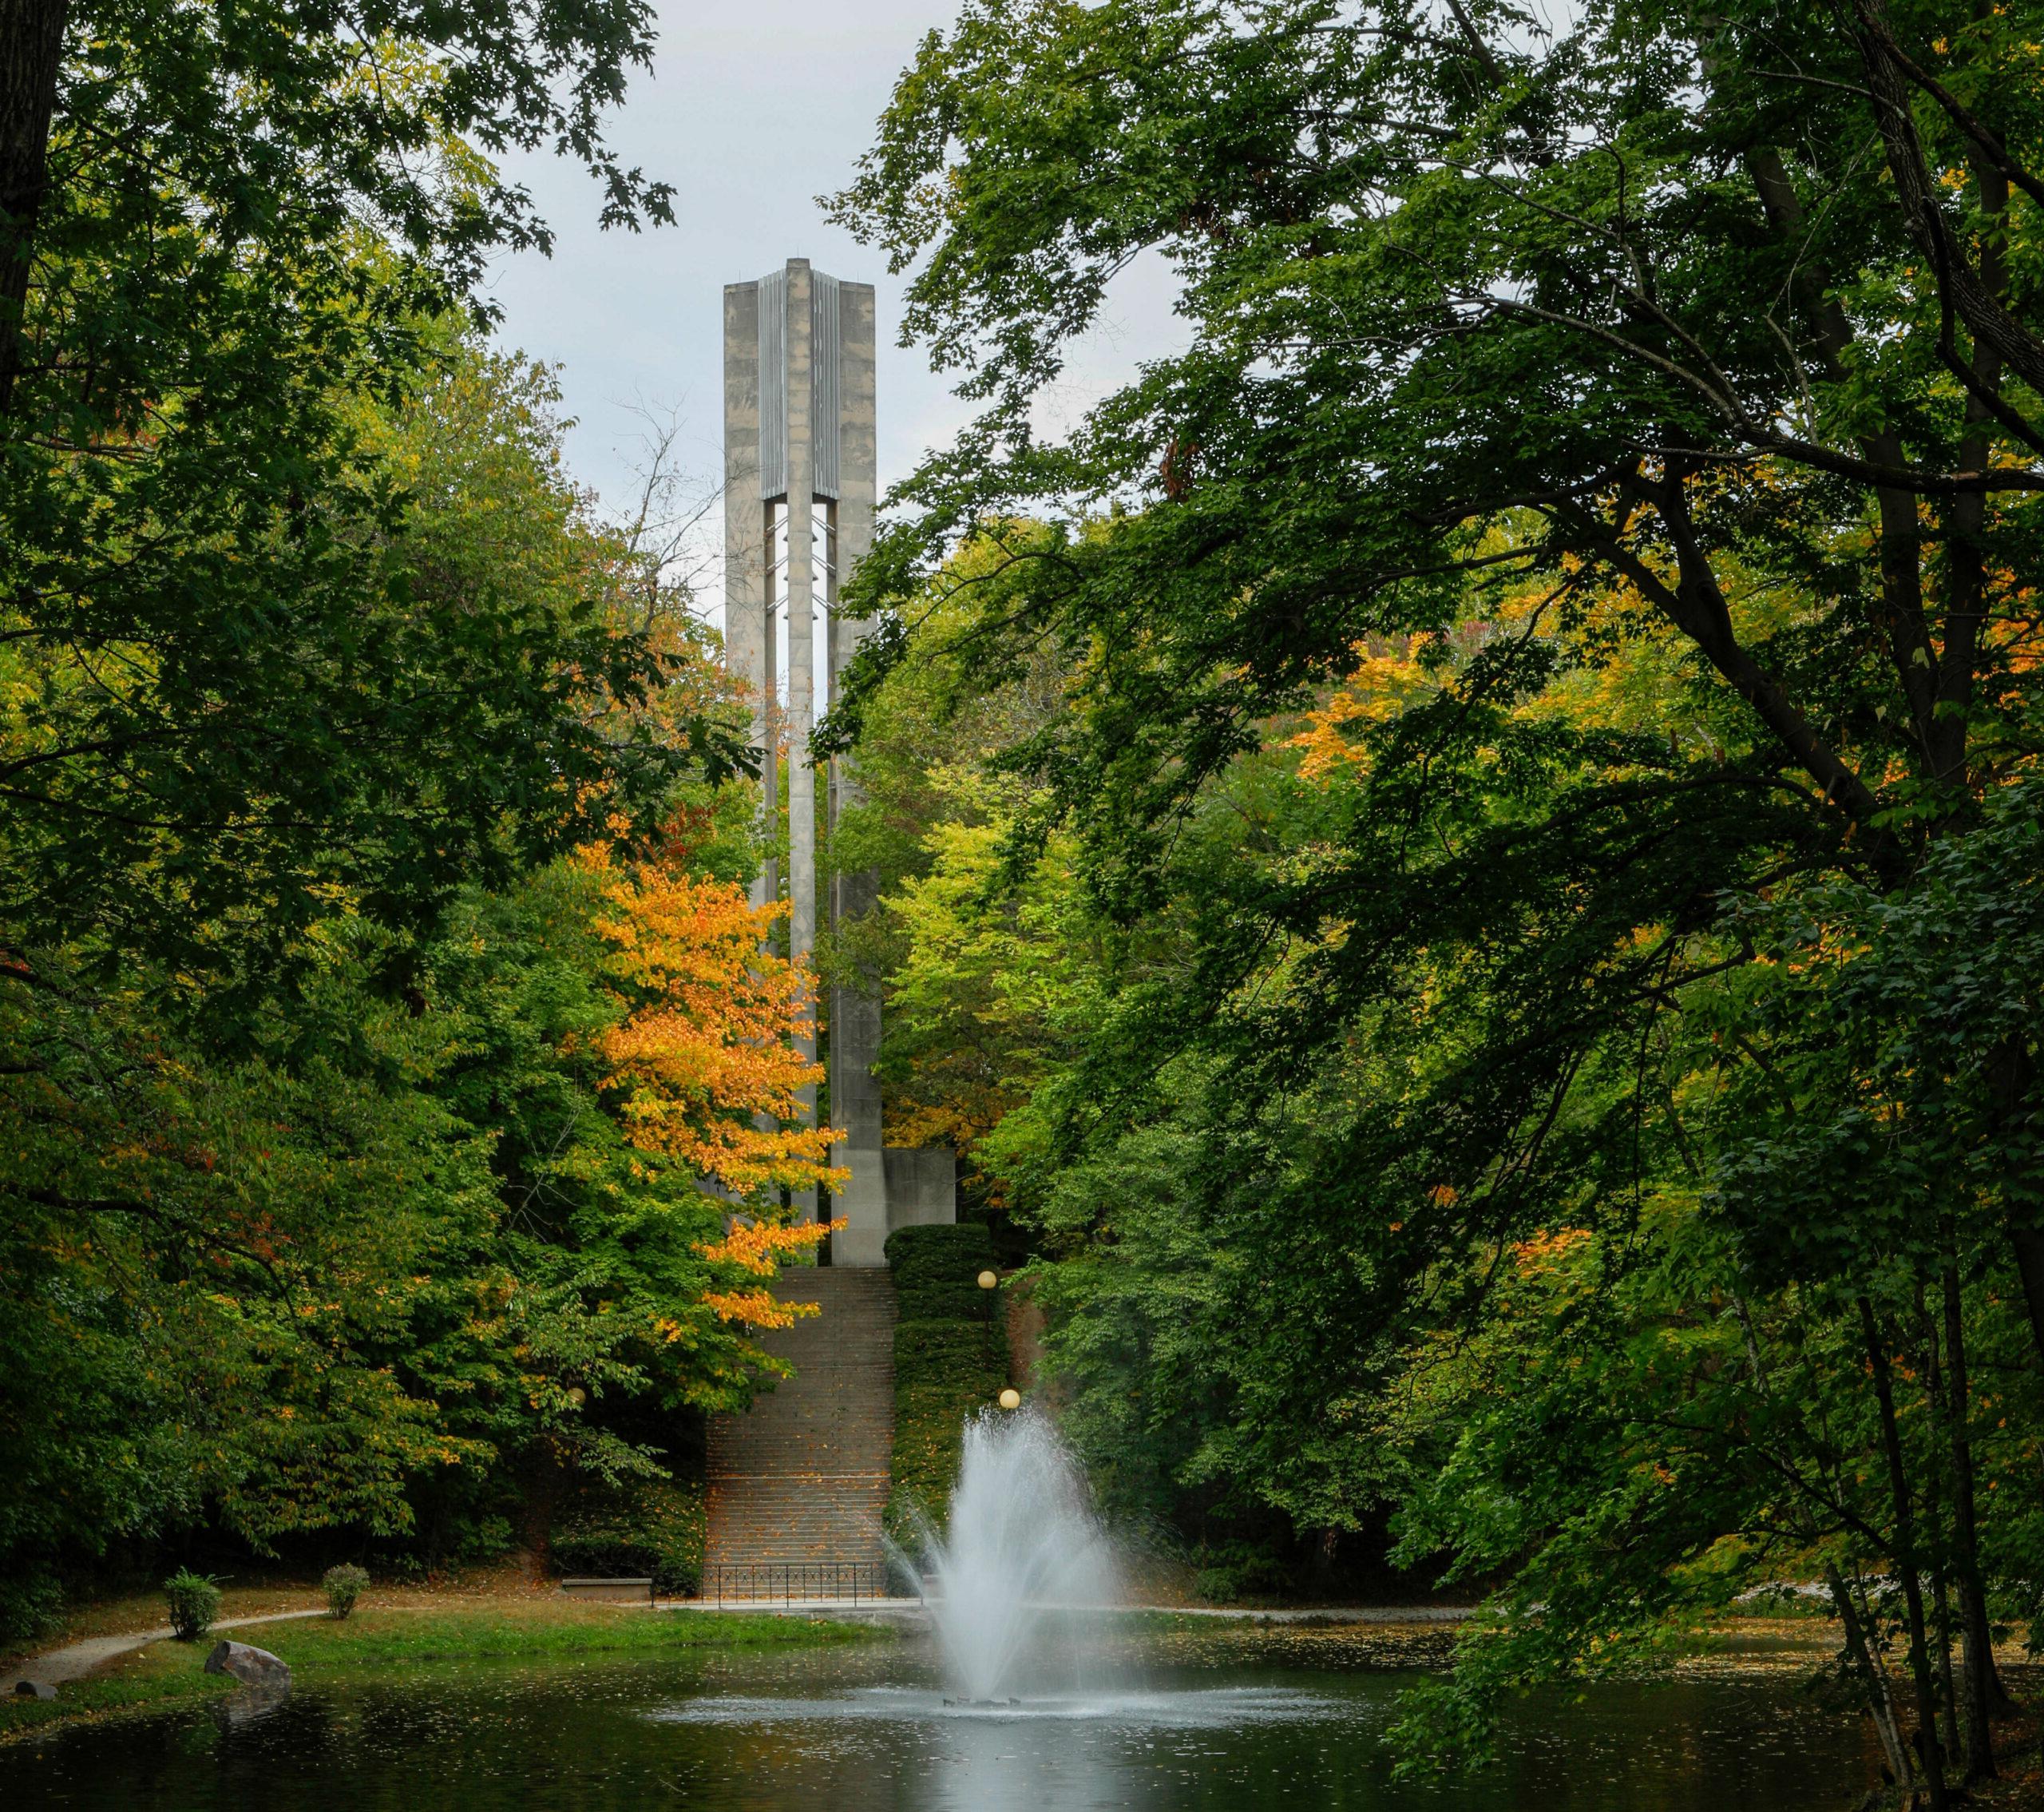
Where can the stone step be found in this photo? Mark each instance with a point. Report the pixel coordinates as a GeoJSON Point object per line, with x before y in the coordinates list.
{"type": "Point", "coordinates": [793, 1487]}
{"type": "Point", "coordinates": [795, 1508]}
{"type": "Point", "coordinates": [801, 1477]}
{"type": "Point", "coordinates": [736, 1495]}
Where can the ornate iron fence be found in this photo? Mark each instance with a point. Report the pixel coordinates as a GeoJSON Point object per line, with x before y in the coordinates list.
{"type": "Point", "coordinates": [790, 1580]}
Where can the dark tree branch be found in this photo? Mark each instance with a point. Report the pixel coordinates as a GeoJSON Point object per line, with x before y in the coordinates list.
{"type": "Point", "coordinates": [1975, 301]}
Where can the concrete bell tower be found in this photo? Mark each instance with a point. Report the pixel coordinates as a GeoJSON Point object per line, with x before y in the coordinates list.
{"type": "Point", "coordinates": [799, 490]}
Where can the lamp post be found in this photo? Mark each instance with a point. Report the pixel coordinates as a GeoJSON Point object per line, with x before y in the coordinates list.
{"type": "Point", "coordinates": [988, 1283]}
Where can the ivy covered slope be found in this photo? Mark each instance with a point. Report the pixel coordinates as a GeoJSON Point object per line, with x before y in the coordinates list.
{"type": "Point", "coordinates": [1512, 781]}
{"type": "Point", "coordinates": [950, 1364]}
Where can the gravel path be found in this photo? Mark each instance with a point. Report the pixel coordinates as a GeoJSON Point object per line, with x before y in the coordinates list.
{"type": "Point", "coordinates": [76, 1660]}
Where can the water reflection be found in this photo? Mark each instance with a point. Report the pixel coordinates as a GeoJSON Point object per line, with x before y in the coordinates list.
{"type": "Point", "coordinates": [869, 1732]}
{"type": "Point", "coordinates": [987, 1762]}
{"type": "Point", "coordinates": [1061, 1754]}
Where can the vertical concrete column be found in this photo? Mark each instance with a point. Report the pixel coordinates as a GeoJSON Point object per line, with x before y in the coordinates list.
{"type": "Point", "coordinates": [799, 430]}
{"type": "Point", "coordinates": [801, 666]}
{"type": "Point", "coordinates": [855, 1010]}
{"type": "Point", "coordinates": [748, 632]}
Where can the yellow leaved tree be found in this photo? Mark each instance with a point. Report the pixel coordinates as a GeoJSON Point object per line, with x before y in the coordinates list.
{"type": "Point", "coordinates": [701, 1070]}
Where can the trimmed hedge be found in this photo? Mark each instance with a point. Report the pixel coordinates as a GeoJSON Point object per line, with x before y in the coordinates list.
{"type": "Point", "coordinates": [940, 1348]}
{"type": "Point", "coordinates": [946, 1302]}
{"type": "Point", "coordinates": [921, 1257]}
{"type": "Point", "coordinates": [950, 1361]}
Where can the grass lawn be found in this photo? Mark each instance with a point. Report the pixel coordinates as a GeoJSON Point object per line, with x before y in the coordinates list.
{"type": "Point", "coordinates": [540, 1626]}
{"type": "Point", "coordinates": [396, 1628]}
{"type": "Point", "coordinates": [145, 1610]}
{"type": "Point", "coordinates": [153, 1678]}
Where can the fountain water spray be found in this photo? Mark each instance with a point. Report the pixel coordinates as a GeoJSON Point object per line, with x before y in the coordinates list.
{"type": "Point", "coordinates": [1025, 1567]}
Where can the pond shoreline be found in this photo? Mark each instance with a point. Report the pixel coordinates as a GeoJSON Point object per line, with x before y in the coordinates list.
{"type": "Point", "coordinates": [1234, 1713]}
{"type": "Point", "coordinates": [148, 1670]}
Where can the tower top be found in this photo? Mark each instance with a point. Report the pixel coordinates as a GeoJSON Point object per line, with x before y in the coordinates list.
{"type": "Point", "coordinates": [800, 314]}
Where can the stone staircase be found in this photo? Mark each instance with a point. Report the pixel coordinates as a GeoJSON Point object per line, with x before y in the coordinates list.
{"type": "Point", "coordinates": [799, 1481]}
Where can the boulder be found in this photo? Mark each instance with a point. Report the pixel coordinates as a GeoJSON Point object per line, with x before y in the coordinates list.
{"type": "Point", "coordinates": [252, 1667]}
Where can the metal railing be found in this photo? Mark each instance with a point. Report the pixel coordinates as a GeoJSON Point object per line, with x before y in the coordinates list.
{"type": "Point", "coordinates": [790, 1580]}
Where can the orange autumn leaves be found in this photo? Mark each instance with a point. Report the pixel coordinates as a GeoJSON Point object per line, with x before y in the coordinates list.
{"type": "Point", "coordinates": [758, 1249]}
{"type": "Point", "coordinates": [1384, 682]}
{"type": "Point", "coordinates": [701, 1069]}
{"type": "Point", "coordinates": [705, 1049]}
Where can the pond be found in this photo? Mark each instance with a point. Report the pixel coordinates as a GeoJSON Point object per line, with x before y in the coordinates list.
{"type": "Point", "coordinates": [1223, 1723]}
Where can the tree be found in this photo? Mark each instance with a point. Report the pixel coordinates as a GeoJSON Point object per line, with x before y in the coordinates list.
{"type": "Point", "coordinates": [702, 1063]}
{"type": "Point", "coordinates": [1680, 458]}
{"type": "Point", "coordinates": [393, 1253]}
{"type": "Point", "coordinates": [982, 998]}
{"type": "Point", "coordinates": [227, 684]}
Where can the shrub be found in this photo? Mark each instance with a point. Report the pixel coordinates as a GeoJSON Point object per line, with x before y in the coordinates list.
{"type": "Point", "coordinates": [946, 1302]}
{"type": "Point", "coordinates": [29, 1605]}
{"type": "Point", "coordinates": [923, 1255]}
{"type": "Point", "coordinates": [343, 1585]}
{"type": "Point", "coordinates": [925, 1348]}
{"type": "Point", "coordinates": [1229, 1571]}
{"type": "Point", "coordinates": [194, 1601]}
{"type": "Point", "coordinates": [655, 1530]}
{"type": "Point", "coordinates": [937, 1272]}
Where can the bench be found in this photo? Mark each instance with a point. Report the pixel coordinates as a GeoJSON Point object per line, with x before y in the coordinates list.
{"type": "Point", "coordinates": [610, 1591]}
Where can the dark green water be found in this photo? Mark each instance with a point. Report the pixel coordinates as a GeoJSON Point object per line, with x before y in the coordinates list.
{"type": "Point", "coordinates": [1221, 1725]}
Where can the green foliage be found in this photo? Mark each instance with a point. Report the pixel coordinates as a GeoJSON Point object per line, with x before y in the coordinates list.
{"type": "Point", "coordinates": [231, 684]}
{"type": "Point", "coordinates": [935, 1258]}
{"type": "Point", "coordinates": [1538, 1036]}
{"type": "Point", "coordinates": [342, 1584]}
{"type": "Point", "coordinates": [1229, 1571]}
{"type": "Point", "coordinates": [951, 1302]}
{"type": "Point", "coordinates": [369, 1253]}
{"type": "Point", "coordinates": [30, 1604]}
{"type": "Point", "coordinates": [314, 667]}
{"type": "Point", "coordinates": [927, 1347]}
{"type": "Point", "coordinates": [194, 1600]}
{"type": "Point", "coordinates": [980, 1003]}
{"type": "Point", "coordinates": [950, 1361]}
{"type": "Point", "coordinates": [654, 1530]}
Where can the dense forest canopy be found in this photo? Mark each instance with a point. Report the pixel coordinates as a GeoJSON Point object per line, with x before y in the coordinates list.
{"type": "Point", "coordinates": [1482, 914]}
{"type": "Point", "coordinates": [386, 1038]}
{"type": "Point", "coordinates": [1460, 861]}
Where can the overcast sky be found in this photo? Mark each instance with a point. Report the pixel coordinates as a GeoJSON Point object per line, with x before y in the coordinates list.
{"type": "Point", "coordinates": [753, 108]}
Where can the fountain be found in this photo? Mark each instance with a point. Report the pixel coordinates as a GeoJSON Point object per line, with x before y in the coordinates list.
{"type": "Point", "coordinates": [1031, 1716]}
{"type": "Point", "coordinates": [1025, 1568]}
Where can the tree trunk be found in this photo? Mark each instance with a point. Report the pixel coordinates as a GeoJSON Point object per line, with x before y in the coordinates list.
{"type": "Point", "coordinates": [1905, 1562]}
{"type": "Point", "coordinates": [1939, 1560]}
{"type": "Point", "coordinates": [31, 49]}
{"type": "Point", "coordinates": [1874, 1681]}
{"type": "Point", "coordinates": [1983, 1685]}
{"type": "Point", "coordinates": [1947, 1683]}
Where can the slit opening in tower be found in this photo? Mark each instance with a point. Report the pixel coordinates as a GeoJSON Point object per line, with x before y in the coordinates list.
{"type": "Point", "coordinates": [823, 540]}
